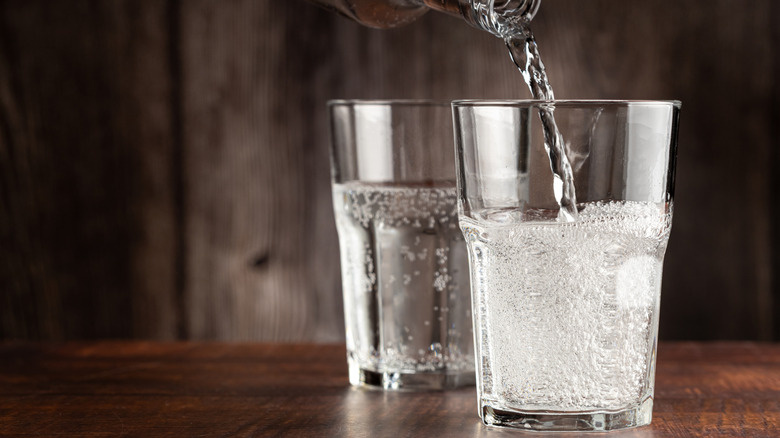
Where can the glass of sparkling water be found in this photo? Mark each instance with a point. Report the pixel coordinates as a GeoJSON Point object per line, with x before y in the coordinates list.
{"type": "Point", "coordinates": [403, 258]}
{"type": "Point", "coordinates": [566, 305]}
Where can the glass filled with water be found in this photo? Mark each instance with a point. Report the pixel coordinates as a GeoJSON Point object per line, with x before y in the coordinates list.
{"type": "Point", "coordinates": [403, 258]}
{"type": "Point", "coordinates": [566, 288]}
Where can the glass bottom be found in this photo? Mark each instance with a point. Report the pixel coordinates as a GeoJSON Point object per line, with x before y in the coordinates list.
{"type": "Point", "coordinates": [408, 381]}
{"type": "Point", "coordinates": [640, 415]}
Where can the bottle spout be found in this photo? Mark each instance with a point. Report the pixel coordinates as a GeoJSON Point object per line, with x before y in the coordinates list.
{"type": "Point", "coordinates": [499, 17]}
{"type": "Point", "coordinates": [523, 10]}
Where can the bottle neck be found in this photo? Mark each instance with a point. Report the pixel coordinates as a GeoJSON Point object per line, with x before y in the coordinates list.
{"type": "Point", "coordinates": [499, 17]}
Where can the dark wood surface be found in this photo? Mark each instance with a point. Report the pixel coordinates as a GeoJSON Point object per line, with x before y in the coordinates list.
{"type": "Point", "coordinates": [164, 170]}
{"type": "Point", "coordinates": [223, 389]}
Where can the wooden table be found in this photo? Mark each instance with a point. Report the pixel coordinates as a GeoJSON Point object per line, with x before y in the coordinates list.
{"type": "Point", "coordinates": [220, 389]}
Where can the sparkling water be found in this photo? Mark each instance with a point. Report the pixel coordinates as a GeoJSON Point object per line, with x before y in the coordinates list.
{"type": "Point", "coordinates": [525, 54]}
{"type": "Point", "coordinates": [567, 310]}
{"type": "Point", "coordinates": [405, 272]}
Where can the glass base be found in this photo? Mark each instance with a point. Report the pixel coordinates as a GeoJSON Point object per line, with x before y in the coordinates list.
{"type": "Point", "coordinates": [568, 421]}
{"type": "Point", "coordinates": [408, 381]}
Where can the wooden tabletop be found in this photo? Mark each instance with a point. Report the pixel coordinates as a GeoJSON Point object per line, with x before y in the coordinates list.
{"type": "Point", "coordinates": [221, 389]}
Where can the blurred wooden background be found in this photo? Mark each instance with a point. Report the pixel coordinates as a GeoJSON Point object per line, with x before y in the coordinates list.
{"type": "Point", "coordinates": [164, 170]}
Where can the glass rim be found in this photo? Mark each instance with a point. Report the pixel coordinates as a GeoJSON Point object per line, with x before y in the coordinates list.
{"type": "Point", "coordinates": [524, 103]}
{"type": "Point", "coordinates": [389, 102]}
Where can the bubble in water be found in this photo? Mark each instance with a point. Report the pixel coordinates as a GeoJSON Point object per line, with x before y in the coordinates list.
{"type": "Point", "coordinates": [636, 282]}
{"type": "Point", "coordinates": [440, 282]}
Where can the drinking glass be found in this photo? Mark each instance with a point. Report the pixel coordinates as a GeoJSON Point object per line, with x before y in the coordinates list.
{"type": "Point", "coordinates": [566, 306]}
{"type": "Point", "coordinates": [403, 259]}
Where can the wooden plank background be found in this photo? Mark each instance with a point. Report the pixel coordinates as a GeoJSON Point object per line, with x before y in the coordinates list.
{"type": "Point", "coordinates": [164, 170]}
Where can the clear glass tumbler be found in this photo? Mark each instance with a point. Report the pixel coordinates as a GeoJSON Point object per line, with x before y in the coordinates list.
{"type": "Point", "coordinates": [403, 259]}
{"type": "Point", "coordinates": [566, 307]}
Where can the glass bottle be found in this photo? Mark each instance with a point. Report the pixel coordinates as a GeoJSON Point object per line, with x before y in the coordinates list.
{"type": "Point", "coordinates": [494, 16]}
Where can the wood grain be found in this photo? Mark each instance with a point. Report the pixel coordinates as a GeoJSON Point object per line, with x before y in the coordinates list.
{"type": "Point", "coordinates": [86, 218]}
{"type": "Point", "coordinates": [164, 166]}
{"type": "Point", "coordinates": [218, 389]}
{"type": "Point", "coordinates": [256, 175]}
